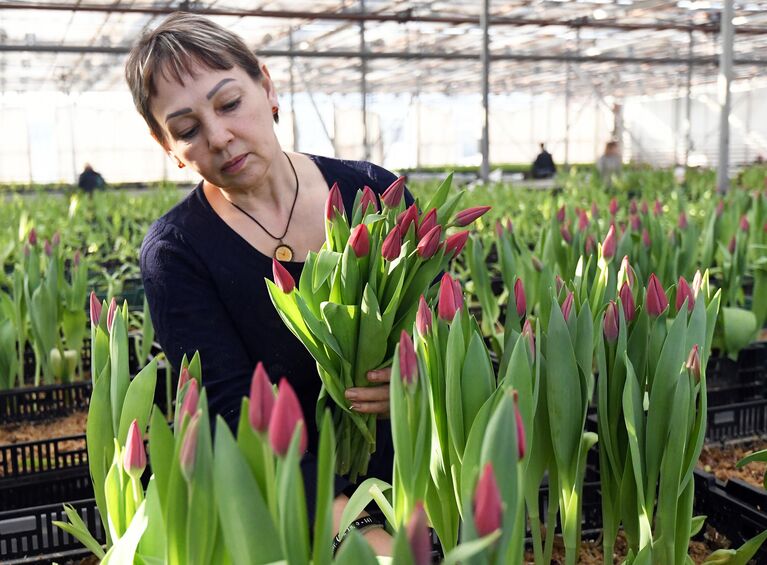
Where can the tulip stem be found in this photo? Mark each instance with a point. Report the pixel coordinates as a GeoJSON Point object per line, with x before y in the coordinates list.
{"type": "Point", "coordinates": [269, 481]}
{"type": "Point", "coordinates": [535, 528]}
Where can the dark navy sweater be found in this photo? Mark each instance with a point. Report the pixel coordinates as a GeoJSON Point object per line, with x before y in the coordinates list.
{"type": "Point", "coordinates": [206, 292]}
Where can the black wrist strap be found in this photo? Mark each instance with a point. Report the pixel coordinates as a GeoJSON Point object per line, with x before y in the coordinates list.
{"type": "Point", "coordinates": [358, 524]}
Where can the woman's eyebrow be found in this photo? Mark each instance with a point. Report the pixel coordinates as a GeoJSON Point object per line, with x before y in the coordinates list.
{"type": "Point", "coordinates": [218, 87]}
{"type": "Point", "coordinates": [177, 113]}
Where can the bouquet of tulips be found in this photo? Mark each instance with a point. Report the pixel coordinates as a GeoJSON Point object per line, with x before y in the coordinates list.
{"type": "Point", "coordinates": [361, 290]}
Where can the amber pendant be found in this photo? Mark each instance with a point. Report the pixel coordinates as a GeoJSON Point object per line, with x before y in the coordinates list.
{"type": "Point", "coordinates": [283, 252]}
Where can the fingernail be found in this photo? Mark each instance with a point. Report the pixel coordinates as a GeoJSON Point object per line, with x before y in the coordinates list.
{"type": "Point", "coordinates": [351, 394]}
{"type": "Point", "coordinates": [353, 407]}
{"type": "Point", "coordinates": [373, 375]}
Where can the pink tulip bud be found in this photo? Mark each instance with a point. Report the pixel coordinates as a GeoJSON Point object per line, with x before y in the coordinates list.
{"type": "Point", "coordinates": [32, 237]}
{"type": "Point", "coordinates": [447, 305]}
{"type": "Point", "coordinates": [529, 335]}
{"type": "Point", "coordinates": [589, 245]}
{"type": "Point", "coordinates": [367, 199]}
{"type": "Point", "coordinates": [498, 229]}
{"type": "Point", "coordinates": [392, 245]}
{"type": "Point", "coordinates": [261, 403]}
{"type": "Point", "coordinates": [744, 225]}
{"type": "Point", "coordinates": [636, 223]}
{"type": "Point", "coordinates": [519, 298]}
{"type": "Point", "coordinates": [465, 217]}
{"type": "Point", "coordinates": [561, 214]}
{"type": "Point", "coordinates": [392, 196]}
{"type": "Point", "coordinates": [111, 313]}
{"type": "Point", "coordinates": [26, 250]}
{"type": "Point", "coordinates": [408, 217]}
{"type": "Point", "coordinates": [188, 451]}
{"type": "Point", "coordinates": [594, 210]}
{"type": "Point", "coordinates": [683, 292]}
{"type": "Point", "coordinates": [457, 293]}
{"type": "Point", "coordinates": [613, 206]}
{"type": "Point", "coordinates": [656, 301]}
{"type": "Point", "coordinates": [693, 362]}
{"type": "Point", "coordinates": [134, 456]}
{"type": "Point", "coordinates": [488, 508]}
{"type": "Point", "coordinates": [183, 378]}
{"type": "Point", "coordinates": [76, 258]}
{"type": "Point", "coordinates": [521, 441]}
{"type": "Point", "coordinates": [282, 278]}
{"type": "Point", "coordinates": [56, 239]}
{"type": "Point", "coordinates": [334, 202]}
{"type": "Point", "coordinates": [537, 265]}
{"type": "Point", "coordinates": [565, 233]}
{"type": "Point", "coordinates": [95, 309]}
{"type": "Point", "coordinates": [427, 223]}
{"type": "Point", "coordinates": [658, 208]}
{"type": "Point", "coordinates": [697, 281]}
{"type": "Point", "coordinates": [286, 416]}
{"type": "Point", "coordinates": [428, 246]}
{"type": "Point", "coordinates": [627, 302]}
{"type": "Point", "coordinates": [646, 238]}
{"type": "Point", "coordinates": [609, 244]}
{"type": "Point", "coordinates": [644, 208]}
{"type": "Point", "coordinates": [611, 322]}
{"type": "Point", "coordinates": [559, 283]}
{"type": "Point", "coordinates": [191, 399]}
{"type": "Point", "coordinates": [567, 306]}
{"type": "Point", "coordinates": [633, 207]}
{"type": "Point", "coordinates": [455, 243]}
{"type": "Point", "coordinates": [423, 318]}
{"type": "Point", "coordinates": [629, 272]}
{"type": "Point", "coordinates": [510, 226]}
{"type": "Point", "coordinates": [360, 240]}
{"type": "Point", "coordinates": [408, 362]}
{"type": "Point", "coordinates": [583, 221]}
{"type": "Point", "coordinates": [732, 246]}
{"type": "Point", "coordinates": [47, 248]}
{"type": "Point", "coordinates": [418, 536]}
{"type": "Point", "coordinates": [719, 208]}
{"type": "Point", "coordinates": [682, 221]}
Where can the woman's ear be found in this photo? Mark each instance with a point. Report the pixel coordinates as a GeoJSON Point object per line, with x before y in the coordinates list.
{"type": "Point", "coordinates": [271, 92]}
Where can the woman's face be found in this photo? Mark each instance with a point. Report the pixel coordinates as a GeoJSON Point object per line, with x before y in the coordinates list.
{"type": "Point", "coordinates": [219, 123]}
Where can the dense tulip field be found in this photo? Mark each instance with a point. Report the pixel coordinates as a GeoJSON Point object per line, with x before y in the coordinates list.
{"type": "Point", "coordinates": [560, 362]}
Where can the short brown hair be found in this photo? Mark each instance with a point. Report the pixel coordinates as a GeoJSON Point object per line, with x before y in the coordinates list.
{"type": "Point", "coordinates": [173, 48]}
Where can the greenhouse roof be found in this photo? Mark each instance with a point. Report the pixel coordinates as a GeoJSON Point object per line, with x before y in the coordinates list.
{"type": "Point", "coordinates": [618, 48]}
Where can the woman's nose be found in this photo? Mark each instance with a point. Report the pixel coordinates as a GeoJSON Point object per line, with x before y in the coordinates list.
{"type": "Point", "coordinates": [219, 137]}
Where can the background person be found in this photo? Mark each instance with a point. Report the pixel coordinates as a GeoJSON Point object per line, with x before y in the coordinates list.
{"type": "Point", "coordinates": [610, 164]}
{"type": "Point", "coordinates": [90, 180]}
{"type": "Point", "coordinates": [543, 166]}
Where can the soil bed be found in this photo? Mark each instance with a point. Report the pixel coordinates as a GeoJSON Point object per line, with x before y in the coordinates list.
{"type": "Point", "coordinates": [721, 460]}
{"type": "Point", "coordinates": [70, 425]}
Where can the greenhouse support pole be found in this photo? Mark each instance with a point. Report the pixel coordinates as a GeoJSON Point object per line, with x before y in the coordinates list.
{"type": "Point", "coordinates": [725, 78]}
{"type": "Point", "coordinates": [688, 103]}
{"type": "Point", "coordinates": [485, 59]}
{"type": "Point", "coordinates": [293, 92]}
{"type": "Point", "coordinates": [364, 86]}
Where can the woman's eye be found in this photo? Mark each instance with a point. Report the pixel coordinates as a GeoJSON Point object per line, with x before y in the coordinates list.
{"type": "Point", "coordinates": [229, 106]}
{"type": "Point", "coordinates": [188, 134]}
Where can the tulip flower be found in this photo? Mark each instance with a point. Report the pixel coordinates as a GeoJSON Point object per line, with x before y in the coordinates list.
{"type": "Point", "coordinates": [656, 301]}
{"type": "Point", "coordinates": [537, 265]}
{"type": "Point", "coordinates": [26, 250]}
{"type": "Point", "coordinates": [498, 229]}
{"type": "Point", "coordinates": [566, 235]}
{"type": "Point", "coordinates": [658, 208]}
{"type": "Point", "coordinates": [76, 258]}
{"type": "Point", "coordinates": [732, 245]}
{"type": "Point", "coordinates": [111, 313]}
{"type": "Point", "coordinates": [261, 404]}
{"type": "Point", "coordinates": [183, 378]}
{"type": "Point", "coordinates": [613, 206]}
{"type": "Point", "coordinates": [409, 216]}
{"type": "Point", "coordinates": [47, 248]}
{"type": "Point", "coordinates": [627, 302]}
{"type": "Point", "coordinates": [609, 244]}
{"type": "Point", "coordinates": [636, 223]}
{"type": "Point", "coordinates": [488, 508]}
{"type": "Point", "coordinates": [561, 214]}
{"type": "Point", "coordinates": [589, 245]}
{"type": "Point", "coordinates": [56, 239]}
{"type": "Point", "coordinates": [644, 208]}
{"type": "Point", "coordinates": [457, 293]}
{"type": "Point", "coordinates": [611, 322]}
{"type": "Point", "coordinates": [191, 399]}
{"type": "Point", "coordinates": [428, 246]}
{"type": "Point", "coordinates": [188, 450]}
{"type": "Point", "coordinates": [95, 309]}
{"type": "Point", "coordinates": [633, 207]}
{"type": "Point", "coordinates": [520, 425]}
{"type": "Point", "coordinates": [32, 237]}
{"type": "Point", "coordinates": [285, 417]}
{"type": "Point", "coordinates": [360, 240]}
{"type": "Point", "coordinates": [744, 225]}
{"type": "Point", "coordinates": [559, 283]}
{"type": "Point", "coordinates": [392, 245]}
{"type": "Point", "coordinates": [465, 217]}
{"type": "Point", "coordinates": [682, 221]}
{"type": "Point", "coordinates": [567, 306]}
{"type": "Point", "coordinates": [455, 243]}
{"type": "Point", "coordinates": [423, 318]}
{"type": "Point", "coordinates": [628, 271]}
{"type": "Point", "coordinates": [282, 278]}
{"type": "Point", "coordinates": [447, 305]}
{"type": "Point", "coordinates": [646, 238]}
{"type": "Point", "coordinates": [519, 298]}
{"type": "Point", "coordinates": [683, 293]}
{"type": "Point", "coordinates": [334, 202]}
{"type": "Point", "coordinates": [510, 226]}
{"type": "Point", "coordinates": [134, 456]}
{"type": "Point", "coordinates": [594, 210]}
{"type": "Point", "coordinates": [693, 362]}
{"type": "Point", "coordinates": [527, 332]}
{"type": "Point", "coordinates": [418, 536]}
{"type": "Point", "coordinates": [408, 362]}
{"type": "Point", "coordinates": [368, 198]}
{"type": "Point", "coordinates": [392, 196]}
{"type": "Point", "coordinates": [583, 221]}
{"type": "Point", "coordinates": [427, 223]}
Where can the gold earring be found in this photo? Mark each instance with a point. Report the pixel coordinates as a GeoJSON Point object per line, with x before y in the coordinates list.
{"type": "Point", "coordinates": [180, 164]}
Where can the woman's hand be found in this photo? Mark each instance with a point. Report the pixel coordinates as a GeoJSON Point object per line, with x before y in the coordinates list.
{"type": "Point", "coordinates": [371, 399]}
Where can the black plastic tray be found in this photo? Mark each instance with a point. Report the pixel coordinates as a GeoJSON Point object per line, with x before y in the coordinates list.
{"type": "Point", "coordinates": [742, 420]}
{"type": "Point", "coordinates": [43, 402]}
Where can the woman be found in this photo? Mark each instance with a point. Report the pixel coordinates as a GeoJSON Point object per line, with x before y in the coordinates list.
{"type": "Point", "coordinates": [211, 105]}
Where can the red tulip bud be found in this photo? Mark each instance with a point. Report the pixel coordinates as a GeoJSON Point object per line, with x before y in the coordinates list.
{"type": "Point", "coordinates": [423, 318]}
{"type": "Point", "coordinates": [47, 248]}
{"type": "Point", "coordinates": [392, 245]}
{"type": "Point", "coordinates": [656, 301]}
{"type": "Point", "coordinates": [693, 362]}
{"type": "Point", "coordinates": [719, 208]}
{"type": "Point", "coordinates": [636, 223]}
{"type": "Point", "coordinates": [683, 292]}
{"type": "Point", "coordinates": [744, 225]}
{"type": "Point", "coordinates": [418, 536]}
{"type": "Point", "coordinates": [732, 246]}
{"type": "Point", "coordinates": [95, 309]}
{"type": "Point", "coordinates": [561, 214]}
{"type": "Point", "coordinates": [261, 404]}
{"type": "Point", "coordinates": [282, 278]}
{"type": "Point", "coordinates": [111, 313]}
{"type": "Point", "coordinates": [633, 207]}
{"type": "Point", "coordinates": [611, 322]}
{"type": "Point", "coordinates": [367, 199]}
{"type": "Point", "coordinates": [589, 245]}
{"type": "Point", "coordinates": [392, 196]}
{"type": "Point", "coordinates": [644, 208]}
{"type": "Point", "coordinates": [498, 229]}
{"type": "Point", "coordinates": [565, 233]}
{"type": "Point", "coordinates": [613, 206]}
{"type": "Point", "coordinates": [32, 237]}
{"type": "Point", "coordinates": [627, 302]}
{"type": "Point", "coordinates": [286, 416]}
{"type": "Point", "coordinates": [457, 293]}
{"type": "Point", "coordinates": [628, 271]}
{"type": "Point", "coordinates": [583, 221]}
{"type": "Point", "coordinates": [529, 335]}
{"type": "Point", "coordinates": [559, 284]}
{"type": "Point", "coordinates": [334, 202]}
{"type": "Point", "coordinates": [594, 210]}
{"type": "Point", "coordinates": [510, 226]}
{"type": "Point", "coordinates": [488, 508]}
{"type": "Point", "coordinates": [567, 306]}
{"type": "Point", "coordinates": [428, 246]}
{"type": "Point", "coordinates": [409, 216]}
{"type": "Point", "coordinates": [408, 362]}
{"type": "Point", "coordinates": [646, 238]}
{"type": "Point", "coordinates": [465, 217]}
{"type": "Point", "coordinates": [447, 305]}
{"type": "Point", "coordinates": [191, 399]}
{"type": "Point", "coordinates": [56, 239]}
{"type": "Point", "coordinates": [519, 298]}
{"type": "Point", "coordinates": [183, 378]}
{"type": "Point", "coordinates": [188, 451]}
{"type": "Point", "coordinates": [682, 221]}
{"type": "Point", "coordinates": [658, 208]}
{"type": "Point", "coordinates": [134, 456]}
{"type": "Point", "coordinates": [609, 244]}
{"type": "Point", "coordinates": [360, 240]}
{"type": "Point", "coordinates": [455, 243]}
{"type": "Point", "coordinates": [427, 223]}
{"type": "Point", "coordinates": [521, 442]}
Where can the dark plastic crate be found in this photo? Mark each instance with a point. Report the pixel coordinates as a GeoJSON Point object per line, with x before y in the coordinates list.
{"type": "Point", "coordinates": [742, 420]}
{"type": "Point", "coordinates": [43, 402]}
{"type": "Point", "coordinates": [33, 457]}
{"type": "Point", "coordinates": [46, 488]}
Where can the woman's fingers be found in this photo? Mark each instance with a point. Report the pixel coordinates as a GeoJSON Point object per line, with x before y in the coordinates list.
{"type": "Point", "coordinates": [381, 407]}
{"type": "Point", "coordinates": [380, 375]}
{"type": "Point", "coordinates": [369, 399]}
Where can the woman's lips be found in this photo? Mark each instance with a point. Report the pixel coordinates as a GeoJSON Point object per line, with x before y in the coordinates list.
{"type": "Point", "coordinates": [235, 164]}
